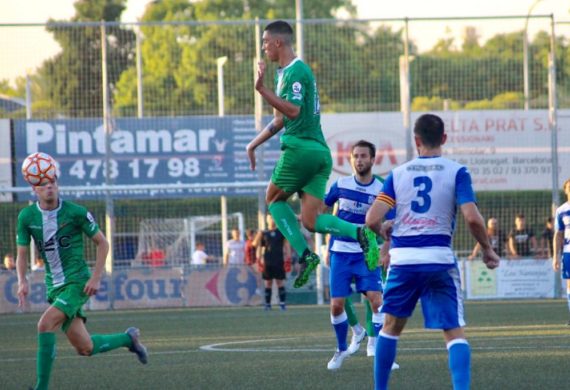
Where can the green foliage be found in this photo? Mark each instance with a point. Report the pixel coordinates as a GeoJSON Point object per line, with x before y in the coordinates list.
{"type": "Point", "coordinates": [73, 78]}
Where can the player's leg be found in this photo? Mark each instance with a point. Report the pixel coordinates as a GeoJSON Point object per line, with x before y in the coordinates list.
{"type": "Point", "coordinates": [268, 281]}
{"type": "Point", "coordinates": [566, 275]}
{"type": "Point", "coordinates": [49, 322]}
{"type": "Point", "coordinates": [280, 280]}
{"type": "Point", "coordinates": [401, 295]}
{"type": "Point", "coordinates": [568, 295]}
{"type": "Point", "coordinates": [459, 353]}
{"type": "Point", "coordinates": [358, 332]}
{"type": "Point", "coordinates": [331, 224]}
{"type": "Point", "coordinates": [341, 277]}
{"type": "Point", "coordinates": [442, 306]}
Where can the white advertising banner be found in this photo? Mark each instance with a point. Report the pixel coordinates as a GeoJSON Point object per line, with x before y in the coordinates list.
{"type": "Point", "coordinates": [5, 159]}
{"type": "Point", "coordinates": [503, 149]}
{"type": "Point", "coordinates": [527, 278]}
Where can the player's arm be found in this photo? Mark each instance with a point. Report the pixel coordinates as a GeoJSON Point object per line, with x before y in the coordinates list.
{"type": "Point", "coordinates": [21, 270]}
{"type": "Point", "coordinates": [476, 225]}
{"type": "Point", "coordinates": [512, 247]}
{"type": "Point", "coordinates": [101, 252]}
{"type": "Point", "coordinates": [288, 109]}
{"type": "Point", "coordinates": [557, 242]}
{"type": "Point", "coordinates": [269, 131]}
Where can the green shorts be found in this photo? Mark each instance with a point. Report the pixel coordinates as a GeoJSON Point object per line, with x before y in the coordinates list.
{"type": "Point", "coordinates": [303, 170]}
{"type": "Point", "coordinates": [70, 299]}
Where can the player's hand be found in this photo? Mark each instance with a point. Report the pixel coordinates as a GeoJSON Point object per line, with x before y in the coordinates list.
{"type": "Point", "coordinates": [250, 148]}
{"type": "Point", "coordinates": [260, 75]}
{"type": "Point", "coordinates": [555, 265]}
{"type": "Point", "coordinates": [92, 286]}
{"type": "Point", "coordinates": [23, 290]}
{"type": "Point", "coordinates": [386, 229]}
{"type": "Point", "coordinates": [491, 259]}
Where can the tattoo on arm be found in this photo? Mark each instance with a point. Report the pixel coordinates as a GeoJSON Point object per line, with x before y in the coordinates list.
{"type": "Point", "coordinates": [272, 128]}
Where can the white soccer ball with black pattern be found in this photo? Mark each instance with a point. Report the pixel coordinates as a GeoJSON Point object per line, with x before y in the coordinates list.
{"type": "Point", "coordinates": [39, 169]}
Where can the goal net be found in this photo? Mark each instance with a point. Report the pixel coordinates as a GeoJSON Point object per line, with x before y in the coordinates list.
{"type": "Point", "coordinates": [171, 241]}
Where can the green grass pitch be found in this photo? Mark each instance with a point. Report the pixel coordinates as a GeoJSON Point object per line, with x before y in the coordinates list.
{"type": "Point", "coordinates": [515, 345]}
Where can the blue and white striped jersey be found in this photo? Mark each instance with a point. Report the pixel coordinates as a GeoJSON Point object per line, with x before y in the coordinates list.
{"type": "Point", "coordinates": [562, 223]}
{"type": "Point", "coordinates": [354, 199]}
{"type": "Point", "coordinates": [425, 192]}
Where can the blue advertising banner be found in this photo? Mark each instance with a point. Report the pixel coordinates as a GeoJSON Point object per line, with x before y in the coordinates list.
{"type": "Point", "coordinates": [182, 150]}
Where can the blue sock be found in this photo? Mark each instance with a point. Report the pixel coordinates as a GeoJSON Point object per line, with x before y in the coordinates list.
{"type": "Point", "coordinates": [340, 326]}
{"type": "Point", "coordinates": [377, 322]}
{"type": "Point", "coordinates": [385, 356]}
{"type": "Point", "coordinates": [460, 363]}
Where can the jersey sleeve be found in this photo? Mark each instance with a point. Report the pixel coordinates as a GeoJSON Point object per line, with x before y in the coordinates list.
{"type": "Point", "coordinates": [463, 188]}
{"type": "Point", "coordinates": [332, 196]}
{"type": "Point", "coordinates": [388, 195]}
{"type": "Point", "coordinates": [294, 89]}
{"type": "Point", "coordinates": [88, 224]}
{"type": "Point", "coordinates": [23, 237]}
{"type": "Point", "coordinates": [558, 222]}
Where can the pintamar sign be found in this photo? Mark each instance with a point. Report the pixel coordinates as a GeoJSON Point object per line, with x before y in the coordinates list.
{"type": "Point", "coordinates": [69, 141]}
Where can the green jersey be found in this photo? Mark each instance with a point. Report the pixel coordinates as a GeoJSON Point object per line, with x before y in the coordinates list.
{"type": "Point", "coordinates": [58, 235]}
{"type": "Point", "coordinates": [296, 84]}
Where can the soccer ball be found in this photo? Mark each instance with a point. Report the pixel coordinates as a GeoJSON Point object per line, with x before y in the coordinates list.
{"type": "Point", "coordinates": [39, 169]}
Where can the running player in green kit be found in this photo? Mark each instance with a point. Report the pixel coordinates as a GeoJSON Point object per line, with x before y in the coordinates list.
{"type": "Point", "coordinates": [57, 228]}
{"type": "Point", "coordinates": [305, 163]}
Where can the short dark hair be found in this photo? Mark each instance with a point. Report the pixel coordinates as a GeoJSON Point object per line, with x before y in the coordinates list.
{"type": "Point", "coordinates": [520, 216]}
{"type": "Point", "coordinates": [430, 129]}
{"type": "Point", "coordinates": [365, 144]}
{"type": "Point", "coordinates": [280, 27]}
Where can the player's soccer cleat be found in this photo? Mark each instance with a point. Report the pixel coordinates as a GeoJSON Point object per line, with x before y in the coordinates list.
{"type": "Point", "coordinates": [369, 245]}
{"type": "Point", "coordinates": [267, 307]}
{"type": "Point", "coordinates": [308, 263]}
{"type": "Point", "coordinates": [355, 342]}
{"type": "Point", "coordinates": [283, 307]}
{"type": "Point", "coordinates": [395, 366]}
{"type": "Point", "coordinates": [337, 359]}
{"type": "Point", "coordinates": [137, 348]}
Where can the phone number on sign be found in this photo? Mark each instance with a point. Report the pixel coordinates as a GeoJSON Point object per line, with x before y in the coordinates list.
{"type": "Point", "coordinates": [92, 169]}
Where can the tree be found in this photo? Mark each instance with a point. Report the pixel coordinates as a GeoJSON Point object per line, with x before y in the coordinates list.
{"type": "Point", "coordinates": [73, 77]}
{"type": "Point", "coordinates": [179, 60]}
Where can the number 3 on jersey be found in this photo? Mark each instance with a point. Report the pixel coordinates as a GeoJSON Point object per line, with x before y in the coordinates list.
{"type": "Point", "coordinates": [424, 186]}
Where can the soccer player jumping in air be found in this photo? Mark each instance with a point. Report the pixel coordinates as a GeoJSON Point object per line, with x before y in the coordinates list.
{"type": "Point", "coordinates": [305, 163]}
{"type": "Point", "coordinates": [57, 228]}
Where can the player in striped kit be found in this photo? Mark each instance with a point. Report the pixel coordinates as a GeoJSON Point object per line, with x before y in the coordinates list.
{"type": "Point", "coordinates": [352, 196]}
{"type": "Point", "coordinates": [561, 242]}
{"type": "Point", "coordinates": [57, 228]}
{"type": "Point", "coordinates": [426, 192]}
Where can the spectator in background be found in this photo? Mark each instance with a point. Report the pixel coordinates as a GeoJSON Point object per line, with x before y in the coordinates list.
{"type": "Point", "coordinates": [496, 236]}
{"type": "Point", "coordinates": [38, 264]}
{"type": "Point", "coordinates": [235, 250]}
{"type": "Point", "coordinates": [154, 257]}
{"type": "Point", "coordinates": [200, 257]}
{"type": "Point", "coordinates": [547, 238]}
{"type": "Point", "coordinates": [250, 247]}
{"type": "Point", "coordinates": [522, 242]}
{"type": "Point", "coordinates": [9, 264]}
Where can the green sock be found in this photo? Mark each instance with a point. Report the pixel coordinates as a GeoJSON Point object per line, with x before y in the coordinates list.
{"type": "Point", "coordinates": [107, 342]}
{"type": "Point", "coordinates": [45, 356]}
{"type": "Point", "coordinates": [369, 323]}
{"type": "Point", "coordinates": [286, 221]}
{"type": "Point", "coordinates": [350, 312]}
{"type": "Point", "coordinates": [327, 223]}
